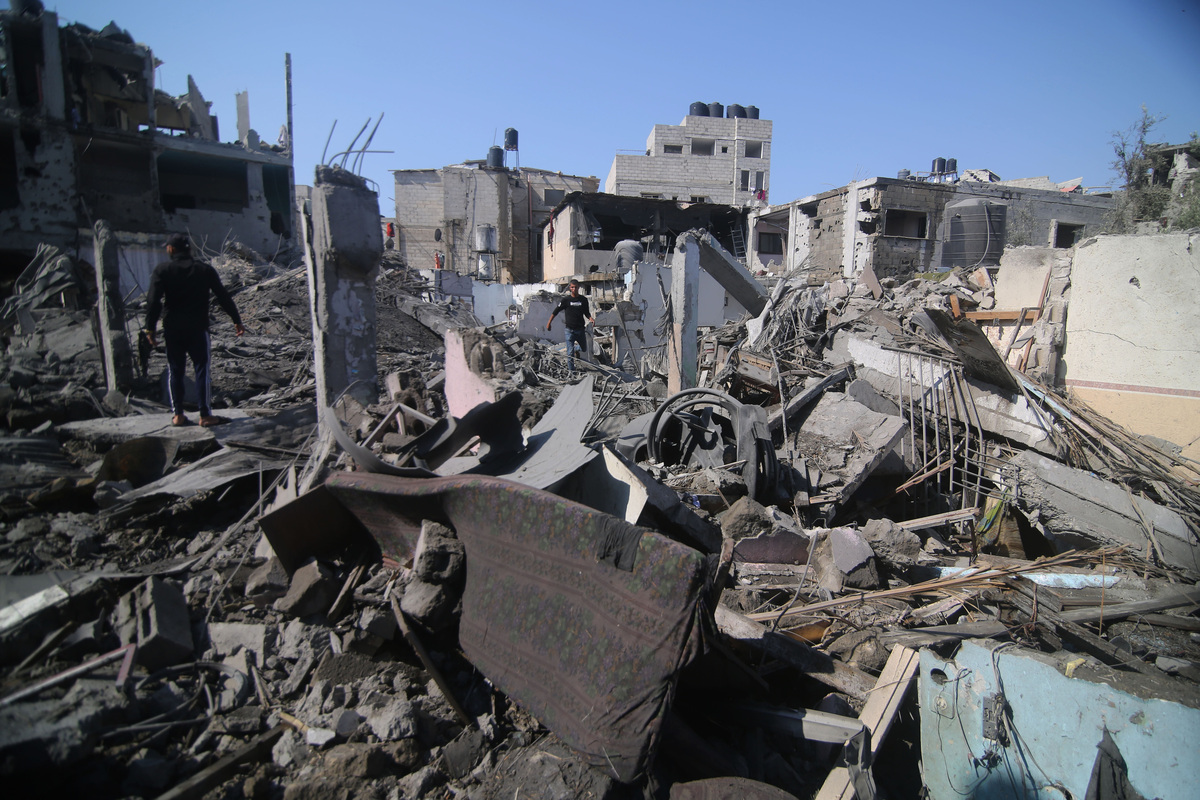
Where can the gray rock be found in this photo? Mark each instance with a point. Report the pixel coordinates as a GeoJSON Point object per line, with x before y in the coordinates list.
{"type": "Point", "coordinates": [843, 558]}
{"type": "Point", "coordinates": [389, 717]}
{"type": "Point", "coordinates": [319, 737]}
{"type": "Point", "coordinates": [289, 751]}
{"type": "Point", "coordinates": [378, 621]}
{"type": "Point", "coordinates": [227, 637]}
{"type": "Point", "coordinates": [311, 592]}
{"type": "Point", "coordinates": [745, 517]}
{"type": "Point", "coordinates": [439, 556]}
{"type": "Point", "coordinates": [270, 579]}
{"type": "Point", "coordinates": [430, 604]}
{"type": "Point", "coordinates": [420, 783]}
{"type": "Point", "coordinates": [358, 761]}
{"type": "Point", "coordinates": [897, 547]}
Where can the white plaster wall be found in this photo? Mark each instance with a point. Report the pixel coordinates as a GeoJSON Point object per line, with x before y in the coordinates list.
{"type": "Point", "coordinates": [1022, 276]}
{"type": "Point", "coordinates": [492, 300]}
{"type": "Point", "coordinates": [1133, 319]}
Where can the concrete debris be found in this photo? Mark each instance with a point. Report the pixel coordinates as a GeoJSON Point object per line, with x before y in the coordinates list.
{"type": "Point", "coordinates": [422, 557]}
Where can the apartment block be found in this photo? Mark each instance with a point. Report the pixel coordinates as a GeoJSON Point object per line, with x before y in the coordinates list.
{"type": "Point", "coordinates": [707, 158]}
{"type": "Point", "coordinates": [479, 218]}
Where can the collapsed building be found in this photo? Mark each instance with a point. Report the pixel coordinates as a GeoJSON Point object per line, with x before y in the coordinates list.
{"type": "Point", "coordinates": [834, 545]}
{"type": "Point", "coordinates": [85, 135]}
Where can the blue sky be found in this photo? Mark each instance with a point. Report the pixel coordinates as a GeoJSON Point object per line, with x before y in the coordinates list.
{"type": "Point", "coordinates": [855, 90]}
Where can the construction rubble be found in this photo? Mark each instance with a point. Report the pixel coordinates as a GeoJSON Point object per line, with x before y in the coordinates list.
{"type": "Point", "coordinates": [850, 544]}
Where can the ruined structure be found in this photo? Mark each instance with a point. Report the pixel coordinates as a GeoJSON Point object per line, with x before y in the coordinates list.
{"type": "Point", "coordinates": [706, 158]}
{"type": "Point", "coordinates": [85, 135]}
{"type": "Point", "coordinates": [586, 232]}
{"type": "Point", "coordinates": [479, 218]}
{"type": "Point", "coordinates": [902, 226]}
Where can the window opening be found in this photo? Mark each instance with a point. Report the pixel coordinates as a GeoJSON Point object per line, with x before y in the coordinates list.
{"type": "Point", "coordinates": [905, 224]}
{"type": "Point", "coordinates": [703, 147]}
{"type": "Point", "coordinates": [754, 149]}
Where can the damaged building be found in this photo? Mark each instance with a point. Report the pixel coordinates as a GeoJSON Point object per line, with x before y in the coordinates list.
{"type": "Point", "coordinates": [479, 218]}
{"type": "Point", "coordinates": [85, 135]}
{"type": "Point", "coordinates": [918, 223]}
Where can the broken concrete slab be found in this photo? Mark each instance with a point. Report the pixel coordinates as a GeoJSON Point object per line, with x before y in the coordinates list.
{"type": "Point", "coordinates": [840, 421]}
{"type": "Point", "coordinates": [106, 433]}
{"type": "Point", "coordinates": [1078, 510]}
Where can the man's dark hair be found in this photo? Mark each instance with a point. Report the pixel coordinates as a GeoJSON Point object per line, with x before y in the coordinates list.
{"type": "Point", "coordinates": [179, 241]}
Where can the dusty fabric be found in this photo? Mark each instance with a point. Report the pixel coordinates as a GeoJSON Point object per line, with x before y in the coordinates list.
{"type": "Point", "coordinates": [590, 649]}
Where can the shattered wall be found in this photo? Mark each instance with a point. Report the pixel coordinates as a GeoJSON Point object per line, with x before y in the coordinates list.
{"type": "Point", "coordinates": [1133, 333]}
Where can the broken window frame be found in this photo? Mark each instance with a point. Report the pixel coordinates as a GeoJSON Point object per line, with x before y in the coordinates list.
{"type": "Point", "coordinates": [904, 223]}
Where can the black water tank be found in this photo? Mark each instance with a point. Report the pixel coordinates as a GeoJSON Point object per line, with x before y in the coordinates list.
{"type": "Point", "coordinates": [752, 112]}
{"type": "Point", "coordinates": [716, 110]}
{"type": "Point", "coordinates": [510, 138]}
{"type": "Point", "coordinates": [939, 166]}
{"type": "Point", "coordinates": [734, 111]}
{"type": "Point", "coordinates": [903, 174]}
{"type": "Point", "coordinates": [951, 165]}
{"type": "Point", "coordinates": [698, 110]}
{"type": "Point", "coordinates": [974, 233]}
{"type": "Point", "coordinates": [495, 156]}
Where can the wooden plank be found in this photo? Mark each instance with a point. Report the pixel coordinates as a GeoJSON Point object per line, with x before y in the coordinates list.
{"type": "Point", "coordinates": [1004, 315]}
{"type": "Point", "coordinates": [204, 780]}
{"type": "Point", "coordinates": [898, 675]}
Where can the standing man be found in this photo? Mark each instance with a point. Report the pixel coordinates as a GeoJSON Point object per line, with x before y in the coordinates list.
{"type": "Point", "coordinates": [575, 308]}
{"type": "Point", "coordinates": [183, 284]}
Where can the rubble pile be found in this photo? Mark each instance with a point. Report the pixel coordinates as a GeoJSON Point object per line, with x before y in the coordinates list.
{"type": "Point", "coordinates": [862, 519]}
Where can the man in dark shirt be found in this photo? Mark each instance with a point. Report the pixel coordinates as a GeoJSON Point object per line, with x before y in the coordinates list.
{"type": "Point", "coordinates": [575, 310]}
{"type": "Point", "coordinates": [183, 285]}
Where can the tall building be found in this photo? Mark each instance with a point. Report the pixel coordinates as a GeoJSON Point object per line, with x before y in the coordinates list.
{"type": "Point", "coordinates": [716, 155]}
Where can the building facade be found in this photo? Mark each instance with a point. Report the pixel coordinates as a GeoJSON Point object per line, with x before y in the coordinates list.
{"type": "Point", "coordinates": [479, 220]}
{"type": "Point", "coordinates": [902, 226]}
{"type": "Point", "coordinates": [707, 158]}
{"type": "Point", "coordinates": [85, 136]}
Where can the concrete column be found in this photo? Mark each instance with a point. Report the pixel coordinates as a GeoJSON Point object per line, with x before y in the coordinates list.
{"type": "Point", "coordinates": [110, 311]}
{"type": "Point", "coordinates": [54, 98]}
{"type": "Point", "coordinates": [343, 263]}
{"type": "Point", "coordinates": [685, 307]}
{"type": "Point", "coordinates": [850, 230]}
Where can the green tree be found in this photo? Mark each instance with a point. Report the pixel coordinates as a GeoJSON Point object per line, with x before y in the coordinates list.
{"type": "Point", "coordinates": [1142, 199]}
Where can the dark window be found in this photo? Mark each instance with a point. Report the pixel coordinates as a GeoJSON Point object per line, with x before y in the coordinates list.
{"type": "Point", "coordinates": [553, 197]}
{"type": "Point", "coordinates": [770, 244]}
{"type": "Point", "coordinates": [759, 181]}
{"type": "Point", "coordinates": [673, 149]}
{"type": "Point", "coordinates": [906, 224]}
{"type": "Point", "coordinates": [696, 198]}
{"type": "Point", "coordinates": [193, 180]}
{"type": "Point", "coordinates": [9, 196]}
{"type": "Point", "coordinates": [754, 149]}
{"type": "Point", "coordinates": [703, 147]}
{"type": "Point", "coordinates": [744, 181]}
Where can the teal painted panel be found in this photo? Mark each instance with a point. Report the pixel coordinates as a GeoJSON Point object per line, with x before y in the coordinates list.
{"type": "Point", "coordinates": [1056, 724]}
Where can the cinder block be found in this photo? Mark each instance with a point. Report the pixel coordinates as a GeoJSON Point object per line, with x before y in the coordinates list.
{"type": "Point", "coordinates": [164, 630]}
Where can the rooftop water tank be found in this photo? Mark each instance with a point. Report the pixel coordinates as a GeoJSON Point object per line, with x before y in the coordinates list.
{"type": "Point", "coordinates": [698, 110]}
{"type": "Point", "coordinates": [510, 138]}
{"type": "Point", "coordinates": [904, 174]}
{"type": "Point", "coordinates": [752, 112]}
{"type": "Point", "coordinates": [939, 166]}
{"type": "Point", "coordinates": [716, 110]}
{"type": "Point", "coordinates": [486, 239]}
{"type": "Point", "coordinates": [974, 233]}
{"type": "Point", "coordinates": [495, 157]}
{"type": "Point", "coordinates": [951, 165]}
{"type": "Point", "coordinates": [734, 111]}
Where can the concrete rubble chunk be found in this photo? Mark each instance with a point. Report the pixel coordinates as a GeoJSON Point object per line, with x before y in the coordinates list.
{"type": "Point", "coordinates": [895, 546]}
{"type": "Point", "coordinates": [312, 591]}
{"type": "Point", "coordinates": [389, 717]}
{"type": "Point", "coordinates": [842, 559]}
{"type": "Point", "coordinates": [155, 616]}
{"type": "Point", "coordinates": [744, 519]}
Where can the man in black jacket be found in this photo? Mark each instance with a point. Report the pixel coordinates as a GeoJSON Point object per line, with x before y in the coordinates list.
{"type": "Point", "coordinates": [183, 285]}
{"type": "Point", "coordinates": [575, 310]}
